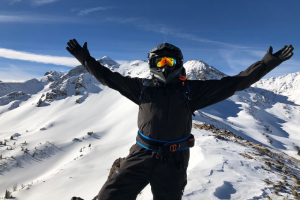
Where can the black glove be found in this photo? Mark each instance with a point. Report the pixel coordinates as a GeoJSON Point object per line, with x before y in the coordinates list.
{"type": "Point", "coordinates": [283, 54]}
{"type": "Point", "coordinates": [80, 53]}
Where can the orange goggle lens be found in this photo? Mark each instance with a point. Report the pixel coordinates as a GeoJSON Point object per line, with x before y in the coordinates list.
{"type": "Point", "coordinates": [165, 61]}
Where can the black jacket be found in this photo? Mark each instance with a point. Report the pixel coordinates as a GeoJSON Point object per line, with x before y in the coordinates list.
{"type": "Point", "coordinates": [164, 112]}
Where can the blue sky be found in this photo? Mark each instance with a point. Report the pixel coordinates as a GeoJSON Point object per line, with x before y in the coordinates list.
{"type": "Point", "coordinates": [227, 34]}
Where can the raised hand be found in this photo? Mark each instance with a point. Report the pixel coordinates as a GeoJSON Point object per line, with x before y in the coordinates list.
{"type": "Point", "coordinates": [80, 53]}
{"type": "Point", "coordinates": [283, 54]}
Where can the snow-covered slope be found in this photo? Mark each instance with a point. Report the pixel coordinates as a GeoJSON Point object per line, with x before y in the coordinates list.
{"type": "Point", "coordinates": [49, 154]}
{"type": "Point", "coordinates": [287, 85]}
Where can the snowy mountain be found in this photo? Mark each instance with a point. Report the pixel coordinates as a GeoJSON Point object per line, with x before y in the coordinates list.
{"type": "Point", "coordinates": [199, 70]}
{"type": "Point", "coordinates": [61, 133]}
{"type": "Point", "coordinates": [287, 85]}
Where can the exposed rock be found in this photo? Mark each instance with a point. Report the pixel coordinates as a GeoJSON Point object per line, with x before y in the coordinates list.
{"type": "Point", "coordinates": [268, 181]}
{"type": "Point", "coordinates": [55, 93]}
{"type": "Point", "coordinates": [295, 179]}
{"type": "Point", "coordinates": [278, 187]}
{"type": "Point", "coordinates": [95, 198]}
{"type": "Point", "coordinates": [295, 193]}
{"type": "Point", "coordinates": [53, 77]}
{"type": "Point", "coordinates": [267, 197]}
{"type": "Point", "coordinates": [246, 156]}
{"type": "Point", "coordinates": [16, 135]}
{"type": "Point", "coordinates": [117, 163]}
{"type": "Point", "coordinates": [80, 85]}
{"type": "Point", "coordinates": [220, 137]}
{"type": "Point", "coordinates": [7, 194]}
{"type": "Point", "coordinates": [11, 96]}
{"type": "Point", "coordinates": [76, 198]}
{"type": "Point", "coordinates": [39, 103]}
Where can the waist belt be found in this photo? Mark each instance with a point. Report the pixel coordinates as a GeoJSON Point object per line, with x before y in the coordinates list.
{"type": "Point", "coordinates": [164, 146]}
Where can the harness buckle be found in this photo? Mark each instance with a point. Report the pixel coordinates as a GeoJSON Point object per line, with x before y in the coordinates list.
{"type": "Point", "coordinates": [173, 147]}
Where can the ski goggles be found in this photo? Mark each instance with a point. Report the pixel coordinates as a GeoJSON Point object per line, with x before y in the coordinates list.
{"type": "Point", "coordinates": [165, 61]}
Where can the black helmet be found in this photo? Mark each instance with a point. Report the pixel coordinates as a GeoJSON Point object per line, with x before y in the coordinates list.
{"type": "Point", "coordinates": [166, 75]}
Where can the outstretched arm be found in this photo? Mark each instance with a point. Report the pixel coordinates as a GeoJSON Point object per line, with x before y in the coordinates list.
{"type": "Point", "coordinates": [128, 87]}
{"type": "Point", "coordinates": [206, 93]}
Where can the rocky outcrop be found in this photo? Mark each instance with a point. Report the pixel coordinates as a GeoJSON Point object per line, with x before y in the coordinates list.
{"type": "Point", "coordinates": [273, 161]}
{"type": "Point", "coordinates": [80, 86]}
{"type": "Point", "coordinates": [76, 71]}
{"type": "Point", "coordinates": [54, 78]}
{"type": "Point", "coordinates": [118, 162]}
{"type": "Point", "coordinates": [11, 96]}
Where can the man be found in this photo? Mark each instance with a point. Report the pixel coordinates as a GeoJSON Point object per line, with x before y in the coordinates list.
{"type": "Point", "coordinates": [166, 104]}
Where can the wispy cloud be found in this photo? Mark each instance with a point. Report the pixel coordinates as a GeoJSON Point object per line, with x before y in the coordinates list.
{"type": "Point", "coordinates": [240, 60]}
{"type": "Point", "coordinates": [56, 60]}
{"type": "Point", "coordinates": [87, 11]}
{"type": "Point", "coordinates": [121, 20]}
{"type": "Point", "coordinates": [42, 2]}
{"type": "Point", "coordinates": [238, 57]}
{"type": "Point", "coordinates": [34, 19]}
{"type": "Point", "coordinates": [165, 30]}
{"type": "Point", "coordinates": [258, 54]}
{"type": "Point", "coordinates": [11, 18]}
{"type": "Point", "coordinates": [14, 1]}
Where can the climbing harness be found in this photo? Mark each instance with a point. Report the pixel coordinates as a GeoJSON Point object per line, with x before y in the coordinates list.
{"type": "Point", "coordinates": [164, 146]}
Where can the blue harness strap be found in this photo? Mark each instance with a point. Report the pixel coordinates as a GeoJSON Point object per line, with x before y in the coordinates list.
{"type": "Point", "coordinates": [156, 145]}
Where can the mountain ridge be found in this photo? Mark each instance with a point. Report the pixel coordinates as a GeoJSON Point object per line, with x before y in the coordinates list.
{"type": "Point", "coordinates": [57, 130]}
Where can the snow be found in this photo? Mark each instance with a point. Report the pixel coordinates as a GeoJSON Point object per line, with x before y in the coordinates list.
{"type": "Point", "coordinates": [58, 166]}
{"type": "Point", "coordinates": [199, 70]}
{"type": "Point", "coordinates": [287, 85]}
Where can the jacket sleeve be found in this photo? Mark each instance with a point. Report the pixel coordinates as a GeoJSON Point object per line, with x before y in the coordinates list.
{"type": "Point", "coordinates": [206, 93]}
{"type": "Point", "coordinates": [128, 87]}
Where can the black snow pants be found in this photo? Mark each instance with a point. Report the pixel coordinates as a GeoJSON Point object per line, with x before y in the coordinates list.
{"type": "Point", "coordinates": [167, 176]}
